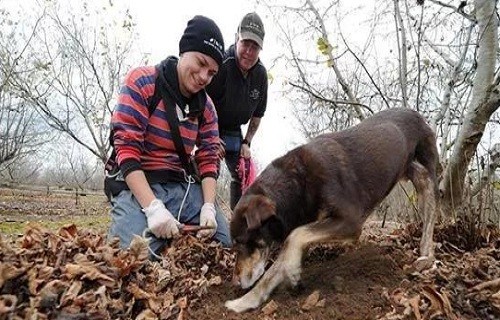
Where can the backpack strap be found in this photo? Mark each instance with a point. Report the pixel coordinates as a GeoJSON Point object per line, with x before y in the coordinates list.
{"type": "Point", "coordinates": [170, 110]}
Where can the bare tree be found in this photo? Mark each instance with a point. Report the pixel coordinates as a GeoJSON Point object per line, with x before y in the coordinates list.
{"type": "Point", "coordinates": [488, 165]}
{"type": "Point", "coordinates": [21, 131]}
{"type": "Point", "coordinates": [438, 59]}
{"type": "Point", "coordinates": [24, 170]}
{"type": "Point", "coordinates": [78, 57]}
{"type": "Point", "coordinates": [14, 124]}
{"type": "Point", "coordinates": [485, 101]}
{"type": "Point", "coordinates": [73, 167]}
{"type": "Point", "coordinates": [322, 90]}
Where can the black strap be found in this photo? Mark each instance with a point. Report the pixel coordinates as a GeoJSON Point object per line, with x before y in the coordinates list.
{"type": "Point", "coordinates": [173, 121]}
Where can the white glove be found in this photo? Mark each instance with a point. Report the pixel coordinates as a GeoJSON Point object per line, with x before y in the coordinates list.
{"type": "Point", "coordinates": [207, 218]}
{"type": "Point", "coordinates": [160, 221]}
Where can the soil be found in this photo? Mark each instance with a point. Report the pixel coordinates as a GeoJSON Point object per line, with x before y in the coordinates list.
{"type": "Point", "coordinates": [352, 285]}
{"type": "Point", "coordinates": [372, 279]}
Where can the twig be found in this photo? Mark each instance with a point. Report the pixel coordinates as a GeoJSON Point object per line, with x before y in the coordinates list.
{"type": "Point", "coordinates": [485, 285]}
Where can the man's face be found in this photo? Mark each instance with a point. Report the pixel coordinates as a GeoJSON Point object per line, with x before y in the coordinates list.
{"type": "Point", "coordinates": [195, 71]}
{"type": "Point", "coordinates": [247, 52]}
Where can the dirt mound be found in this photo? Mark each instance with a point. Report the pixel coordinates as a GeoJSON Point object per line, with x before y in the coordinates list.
{"type": "Point", "coordinates": [350, 286]}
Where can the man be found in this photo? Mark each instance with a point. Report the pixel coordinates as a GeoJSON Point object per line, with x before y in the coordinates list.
{"type": "Point", "coordinates": [239, 92]}
{"type": "Point", "coordinates": [158, 197]}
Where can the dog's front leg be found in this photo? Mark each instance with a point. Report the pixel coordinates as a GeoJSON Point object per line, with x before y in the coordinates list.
{"type": "Point", "coordinates": [287, 265]}
{"type": "Point", "coordinates": [254, 298]}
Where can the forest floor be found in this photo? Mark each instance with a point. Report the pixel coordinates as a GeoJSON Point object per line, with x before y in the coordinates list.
{"type": "Point", "coordinates": [56, 264]}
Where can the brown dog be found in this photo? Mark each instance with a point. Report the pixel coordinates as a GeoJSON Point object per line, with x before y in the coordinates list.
{"type": "Point", "coordinates": [323, 192]}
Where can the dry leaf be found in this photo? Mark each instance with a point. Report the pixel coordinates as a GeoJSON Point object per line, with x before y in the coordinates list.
{"type": "Point", "coordinates": [414, 303]}
{"type": "Point", "coordinates": [71, 293]}
{"type": "Point", "coordinates": [68, 232]}
{"type": "Point", "coordinates": [147, 315]}
{"type": "Point", "coordinates": [321, 303]}
{"type": "Point", "coordinates": [215, 281]}
{"type": "Point", "coordinates": [87, 272]}
{"type": "Point", "coordinates": [270, 308]}
{"type": "Point", "coordinates": [8, 303]}
{"type": "Point", "coordinates": [311, 301]}
{"type": "Point", "coordinates": [9, 271]}
{"type": "Point", "coordinates": [137, 292]}
{"type": "Point", "coordinates": [486, 285]}
{"type": "Point", "coordinates": [440, 304]}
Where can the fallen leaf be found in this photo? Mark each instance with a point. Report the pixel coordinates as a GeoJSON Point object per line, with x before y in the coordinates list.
{"type": "Point", "coordinates": [8, 303]}
{"type": "Point", "coordinates": [137, 292]}
{"type": "Point", "coordinates": [146, 315]}
{"type": "Point", "coordinates": [9, 271]}
{"type": "Point", "coordinates": [270, 308]}
{"type": "Point", "coordinates": [311, 301]}
{"type": "Point", "coordinates": [321, 303]}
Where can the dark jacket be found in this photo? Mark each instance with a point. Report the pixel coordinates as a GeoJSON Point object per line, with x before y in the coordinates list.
{"type": "Point", "coordinates": [238, 98]}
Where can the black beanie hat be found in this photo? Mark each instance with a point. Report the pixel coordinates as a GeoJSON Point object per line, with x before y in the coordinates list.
{"type": "Point", "coordinates": [203, 35]}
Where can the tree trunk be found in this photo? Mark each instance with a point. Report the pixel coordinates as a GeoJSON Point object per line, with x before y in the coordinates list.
{"type": "Point", "coordinates": [485, 101]}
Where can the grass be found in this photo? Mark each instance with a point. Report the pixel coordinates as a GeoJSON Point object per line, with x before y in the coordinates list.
{"type": "Point", "coordinates": [99, 223]}
{"type": "Point", "coordinates": [18, 207]}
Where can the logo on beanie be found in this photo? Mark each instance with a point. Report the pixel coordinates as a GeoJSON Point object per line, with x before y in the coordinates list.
{"type": "Point", "coordinates": [215, 44]}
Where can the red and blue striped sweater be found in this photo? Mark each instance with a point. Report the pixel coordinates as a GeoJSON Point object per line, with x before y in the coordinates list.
{"type": "Point", "coordinates": [144, 142]}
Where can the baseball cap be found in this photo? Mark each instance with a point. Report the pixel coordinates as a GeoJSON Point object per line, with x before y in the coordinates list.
{"type": "Point", "coordinates": [252, 28]}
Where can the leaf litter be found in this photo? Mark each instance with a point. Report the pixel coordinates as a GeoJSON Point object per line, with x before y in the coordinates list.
{"type": "Point", "coordinates": [75, 273]}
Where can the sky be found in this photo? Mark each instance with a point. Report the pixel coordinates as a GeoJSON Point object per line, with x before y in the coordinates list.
{"type": "Point", "coordinates": [160, 25]}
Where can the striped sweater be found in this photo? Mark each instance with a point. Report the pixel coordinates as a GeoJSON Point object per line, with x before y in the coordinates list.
{"type": "Point", "coordinates": [144, 142]}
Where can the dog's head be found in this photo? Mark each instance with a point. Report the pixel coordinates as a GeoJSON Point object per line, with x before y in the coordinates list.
{"type": "Point", "coordinates": [254, 228]}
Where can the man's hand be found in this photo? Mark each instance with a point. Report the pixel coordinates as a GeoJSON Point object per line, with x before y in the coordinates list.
{"type": "Point", "coordinates": [245, 151]}
{"type": "Point", "coordinates": [207, 218]}
{"type": "Point", "coordinates": [160, 221]}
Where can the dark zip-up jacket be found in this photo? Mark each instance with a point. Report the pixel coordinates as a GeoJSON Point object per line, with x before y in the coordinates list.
{"type": "Point", "coordinates": [238, 98]}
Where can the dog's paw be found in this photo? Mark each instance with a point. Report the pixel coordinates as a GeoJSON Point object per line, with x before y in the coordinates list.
{"type": "Point", "coordinates": [241, 304]}
{"type": "Point", "coordinates": [293, 271]}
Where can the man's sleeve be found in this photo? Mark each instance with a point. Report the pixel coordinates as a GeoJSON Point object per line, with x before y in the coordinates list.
{"type": "Point", "coordinates": [261, 107]}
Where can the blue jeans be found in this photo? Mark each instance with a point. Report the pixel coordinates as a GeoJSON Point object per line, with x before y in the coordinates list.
{"type": "Point", "coordinates": [233, 146]}
{"type": "Point", "coordinates": [127, 218]}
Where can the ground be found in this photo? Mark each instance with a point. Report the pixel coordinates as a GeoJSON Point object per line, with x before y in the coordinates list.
{"type": "Point", "coordinates": [351, 284]}
{"type": "Point", "coordinates": [372, 279]}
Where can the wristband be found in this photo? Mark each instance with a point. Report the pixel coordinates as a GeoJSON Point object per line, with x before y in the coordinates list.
{"type": "Point", "coordinates": [245, 141]}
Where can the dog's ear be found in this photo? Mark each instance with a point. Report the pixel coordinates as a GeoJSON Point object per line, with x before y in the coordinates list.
{"type": "Point", "coordinates": [274, 229]}
{"type": "Point", "coordinates": [260, 209]}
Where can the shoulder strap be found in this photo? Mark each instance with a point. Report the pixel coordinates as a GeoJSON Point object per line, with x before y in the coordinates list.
{"type": "Point", "coordinates": [173, 121]}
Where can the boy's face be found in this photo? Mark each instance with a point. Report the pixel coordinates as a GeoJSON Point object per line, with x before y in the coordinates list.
{"type": "Point", "coordinates": [195, 71]}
